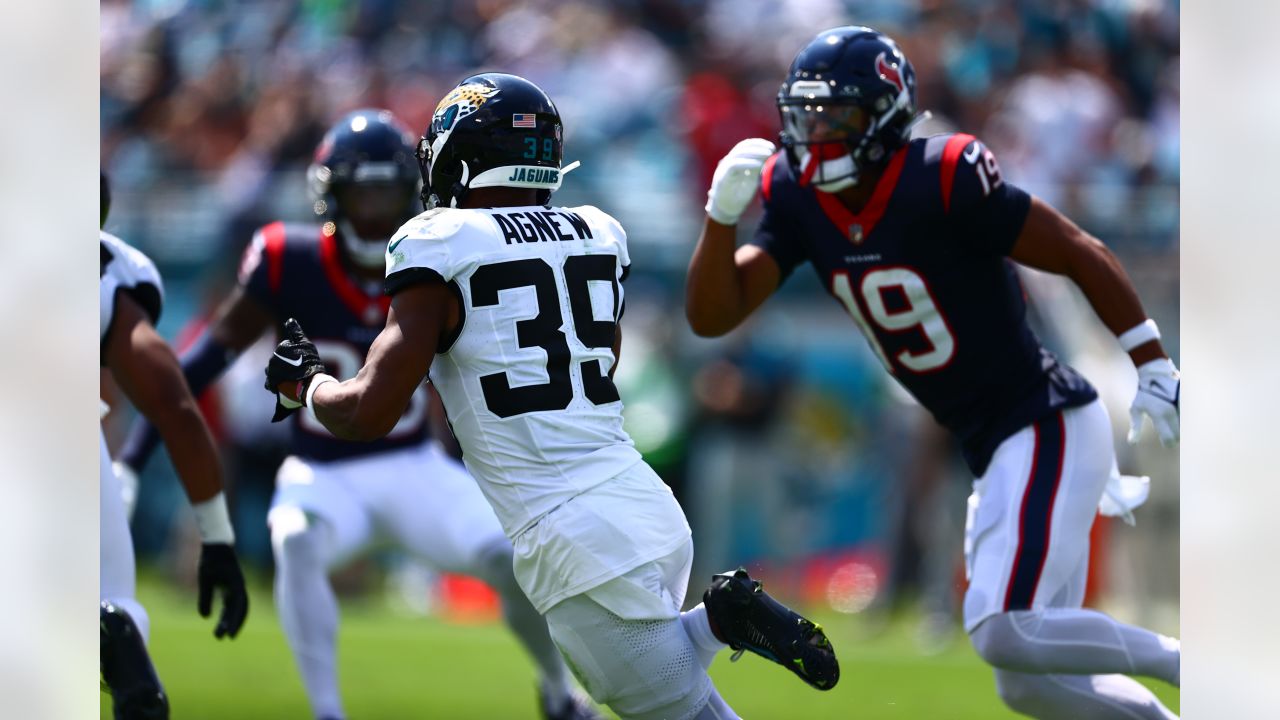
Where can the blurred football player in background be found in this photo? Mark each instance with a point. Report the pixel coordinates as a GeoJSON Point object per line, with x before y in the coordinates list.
{"type": "Point", "coordinates": [512, 306]}
{"type": "Point", "coordinates": [130, 296]}
{"type": "Point", "coordinates": [333, 497]}
{"type": "Point", "coordinates": [914, 238]}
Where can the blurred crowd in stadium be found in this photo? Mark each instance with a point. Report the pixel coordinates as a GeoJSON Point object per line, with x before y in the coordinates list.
{"type": "Point", "coordinates": [211, 111]}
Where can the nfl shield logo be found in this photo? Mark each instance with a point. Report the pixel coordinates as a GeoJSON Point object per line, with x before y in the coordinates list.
{"type": "Point", "coordinates": [855, 233]}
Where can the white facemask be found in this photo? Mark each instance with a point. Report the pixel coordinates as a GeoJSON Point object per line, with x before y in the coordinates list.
{"type": "Point", "coordinates": [841, 168]}
{"type": "Point", "coordinates": [367, 253]}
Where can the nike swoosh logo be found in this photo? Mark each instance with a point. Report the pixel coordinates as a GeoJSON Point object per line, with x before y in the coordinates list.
{"type": "Point", "coordinates": [392, 247]}
{"type": "Point", "coordinates": [1157, 391]}
{"type": "Point", "coordinates": [295, 363]}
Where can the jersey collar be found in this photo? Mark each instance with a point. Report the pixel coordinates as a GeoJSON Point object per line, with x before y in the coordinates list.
{"type": "Point", "coordinates": [857, 226]}
{"type": "Point", "coordinates": [371, 309]}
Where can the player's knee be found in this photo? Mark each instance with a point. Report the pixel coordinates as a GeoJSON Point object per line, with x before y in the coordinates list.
{"type": "Point", "coordinates": [998, 642]}
{"type": "Point", "coordinates": [295, 539]}
{"type": "Point", "coordinates": [1018, 691]}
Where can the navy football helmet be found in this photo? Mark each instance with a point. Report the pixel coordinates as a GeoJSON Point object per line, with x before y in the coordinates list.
{"type": "Point", "coordinates": [847, 104]}
{"type": "Point", "coordinates": [492, 130]}
{"type": "Point", "coordinates": [364, 180]}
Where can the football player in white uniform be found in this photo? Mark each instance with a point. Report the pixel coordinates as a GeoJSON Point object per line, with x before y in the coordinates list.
{"type": "Point", "coordinates": [142, 364]}
{"type": "Point", "coordinates": [336, 499]}
{"type": "Point", "coordinates": [512, 307]}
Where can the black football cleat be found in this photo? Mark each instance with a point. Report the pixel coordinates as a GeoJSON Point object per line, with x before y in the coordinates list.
{"type": "Point", "coordinates": [127, 671]}
{"type": "Point", "coordinates": [743, 615]}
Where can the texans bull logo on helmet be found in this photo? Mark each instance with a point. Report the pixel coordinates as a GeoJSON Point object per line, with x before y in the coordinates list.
{"type": "Point", "coordinates": [889, 73]}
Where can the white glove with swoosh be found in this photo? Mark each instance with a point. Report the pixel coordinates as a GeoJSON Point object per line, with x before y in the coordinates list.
{"type": "Point", "coordinates": [1159, 387]}
{"type": "Point", "coordinates": [736, 179]}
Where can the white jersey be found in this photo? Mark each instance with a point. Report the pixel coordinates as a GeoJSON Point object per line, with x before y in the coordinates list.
{"type": "Point", "coordinates": [525, 383]}
{"type": "Point", "coordinates": [526, 386]}
{"type": "Point", "coordinates": [125, 269]}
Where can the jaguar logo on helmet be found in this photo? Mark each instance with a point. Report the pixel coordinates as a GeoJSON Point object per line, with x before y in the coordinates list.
{"type": "Point", "coordinates": [461, 102]}
{"type": "Point", "coordinates": [889, 73]}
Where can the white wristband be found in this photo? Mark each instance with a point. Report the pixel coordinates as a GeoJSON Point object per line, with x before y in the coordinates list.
{"type": "Point", "coordinates": [316, 382]}
{"type": "Point", "coordinates": [213, 521]}
{"type": "Point", "coordinates": [1139, 334]}
{"type": "Point", "coordinates": [1160, 366]}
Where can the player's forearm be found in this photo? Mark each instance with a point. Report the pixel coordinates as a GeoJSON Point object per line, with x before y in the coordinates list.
{"type": "Point", "coordinates": [346, 411]}
{"type": "Point", "coordinates": [713, 291]}
{"type": "Point", "coordinates": [195, 458]}
{"type": "Point", "coordinates": [202, 364]}
{"type": "Point", "coordinates": [1109, 290]}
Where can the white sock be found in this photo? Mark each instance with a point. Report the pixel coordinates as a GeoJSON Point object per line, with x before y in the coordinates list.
{"type": "Point", "coordinates": [698, 628]}
{"type": "Point", "coordinates": [308, 613]}
{"type": "Point", "coordinates": [1077, 642]}
{"type": "Point", "coordinates": [1080, 697]}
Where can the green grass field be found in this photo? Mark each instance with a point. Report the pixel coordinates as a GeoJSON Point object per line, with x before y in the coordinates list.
{"type": "Point", "coordinates": [396, 667]}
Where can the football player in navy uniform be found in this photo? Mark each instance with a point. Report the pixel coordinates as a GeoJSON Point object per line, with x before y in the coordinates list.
{"type": "Point", "coordinates": [917, 240]}
{"type": "Point", "coordinates": [130, 296]}
{"type": "Point", "coordinates": [334, 497]}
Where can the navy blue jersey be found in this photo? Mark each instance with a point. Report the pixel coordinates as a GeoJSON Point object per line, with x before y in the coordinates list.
{"type": "Point", "coordinates": [923, 270]}
{"type": "Point", "coordinates": [294, 271]}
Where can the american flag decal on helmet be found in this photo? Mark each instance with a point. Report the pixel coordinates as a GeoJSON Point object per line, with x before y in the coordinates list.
{"type": "Point", "coordinates": [524, 120]}
{"type": "Point", "coordinates": [889, 73]}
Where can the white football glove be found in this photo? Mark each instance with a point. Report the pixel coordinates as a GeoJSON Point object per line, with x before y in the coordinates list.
{"type": "Point", "coordinates": [1123, 494]}
{"type": "Point", "coordinates": [1158, 390]}
{"type": "Point", "coordinates": [736, 179]}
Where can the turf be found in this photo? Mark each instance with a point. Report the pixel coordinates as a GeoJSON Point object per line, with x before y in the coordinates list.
{"type": "Point", "coordinates": [396, 667]}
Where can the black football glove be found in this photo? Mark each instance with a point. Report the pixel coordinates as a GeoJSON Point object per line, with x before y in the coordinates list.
{"type": "Point", "coordinates": [220, 570]}
{"type": "Point", "coordinates": [295, 360]}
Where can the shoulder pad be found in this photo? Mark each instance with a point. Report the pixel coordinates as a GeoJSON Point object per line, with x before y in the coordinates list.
{"type": "Point", "coordinates": [767, 175]}
{"type": "Point", "coordinates": [611, 232]}
{"type": "Point", "coordinates": [434, 224]}
{"type": "Point", "coordinates": [424, 243]}
{"type": "Point", "coordinates": [123, 267]}
{"type": "Point", "coordinates": [945, 153]}
{"type": "Point", "coordinates": [267, 246]}
{"type": "Point", "coordinates": [127, 266]}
